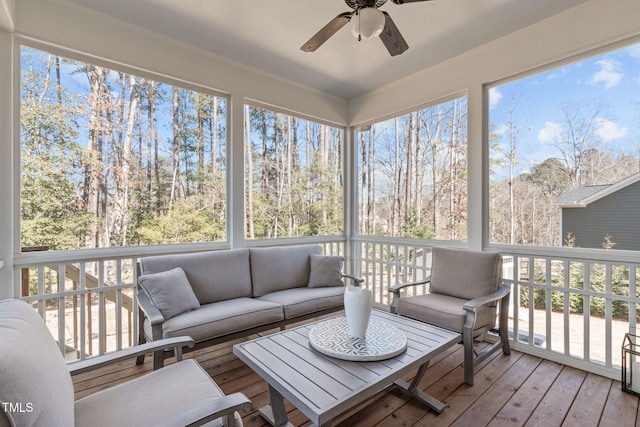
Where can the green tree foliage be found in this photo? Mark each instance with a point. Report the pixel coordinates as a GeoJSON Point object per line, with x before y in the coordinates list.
{"type": "Point", "coordinates": [50, 210]}
{"type": "Point", "coordinates": [293, 173]}
{"type": "Point", "coordinates": [412, 174]}
{"type": "Point", "coordinates": [97, 158]}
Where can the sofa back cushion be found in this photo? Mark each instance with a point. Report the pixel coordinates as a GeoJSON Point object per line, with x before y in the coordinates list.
{"type": "Point", "coordinates": [35, 377]}
{"type": "Point", "coordinates": [170, 291]}
{"type": "Point", "coordinates": [326, 270]}
{"type": "Point", "coordinates": [278, 269]}
{"type": "Point", "coordinates": [214, 276]}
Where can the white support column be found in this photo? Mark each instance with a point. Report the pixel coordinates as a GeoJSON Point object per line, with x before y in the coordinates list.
{"type": "Point", "coordinates": [477, 180]}
{"type": "Point", "coordinates": [6, 165]}
{"type": "Point", "coordinates": [235, 172]}
{"type": "Point", "coordinates": [350, 204]}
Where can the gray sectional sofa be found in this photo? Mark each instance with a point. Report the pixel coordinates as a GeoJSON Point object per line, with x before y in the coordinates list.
{"type": "Point", "coordinates": [223, 295]}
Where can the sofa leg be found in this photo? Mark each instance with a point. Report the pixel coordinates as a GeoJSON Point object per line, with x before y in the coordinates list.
{"type": "Point", "coordinates": [140, 360]}
{"type": "Point", "coordinates": [158, 359]}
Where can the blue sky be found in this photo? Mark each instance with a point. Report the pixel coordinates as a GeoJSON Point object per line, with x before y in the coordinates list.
{"type": "Point", "coordinates": [606, 87]}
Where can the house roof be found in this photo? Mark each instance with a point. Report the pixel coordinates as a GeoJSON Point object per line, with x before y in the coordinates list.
{"type": "Point", "coordinates": [581, 197]}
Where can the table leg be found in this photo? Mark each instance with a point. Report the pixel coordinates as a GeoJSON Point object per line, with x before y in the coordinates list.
{"type": "Point", "coordinates": [276, 413]}
{"type": "Point", "coordinates": [418, 394]}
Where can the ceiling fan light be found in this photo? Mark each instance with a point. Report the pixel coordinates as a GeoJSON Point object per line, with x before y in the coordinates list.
{"type": "Point", "coordinates": [367, 23]}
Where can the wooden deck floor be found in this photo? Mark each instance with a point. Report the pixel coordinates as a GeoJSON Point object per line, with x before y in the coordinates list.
{"type": "Point", "coordinates": [509, 390]}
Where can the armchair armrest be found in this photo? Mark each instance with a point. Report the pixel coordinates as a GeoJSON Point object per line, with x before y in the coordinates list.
{"type": "Point", "coordinates": [106, 359]}
{"type": "Point", "coordinates": [395, 290]}
{"type": "Point", "coordinates": [358, 279]}
{"type": "Point", "coordinates": [502, 292]}
{"type": "Point", "coordinates": [212, 409]}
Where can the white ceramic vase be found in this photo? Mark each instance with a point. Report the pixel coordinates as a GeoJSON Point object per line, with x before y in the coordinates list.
{"type": "Point", "coordinates": [357, 309]}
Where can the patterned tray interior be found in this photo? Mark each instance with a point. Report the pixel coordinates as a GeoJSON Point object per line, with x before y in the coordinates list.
{"type": "Point", "coordinates": [382, 341]}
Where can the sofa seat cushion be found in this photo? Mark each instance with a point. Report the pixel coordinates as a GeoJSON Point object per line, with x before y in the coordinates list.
{"type": "Point", "coordinates": [214, 276]}
{"type": "Point", "coordinates": [301, 301]}
{"type": "Point", "coordinates": [140, 401]}
{"type": "Point", "coordinates": [280, 268]}
{"type": "Point", "coordinates": [444, 311]}
{"type": "Point", "coordinates": [221, 318]}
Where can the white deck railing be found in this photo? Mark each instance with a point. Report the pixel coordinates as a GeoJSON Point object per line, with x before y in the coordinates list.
{"type": "Point", "coordinates": [88, 298]}
{"type": "Point", "coordinates": [584, 300]}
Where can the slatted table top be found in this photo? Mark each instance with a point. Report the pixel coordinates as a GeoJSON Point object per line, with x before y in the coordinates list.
{"type": "Point", "coordinates": [323, 387]}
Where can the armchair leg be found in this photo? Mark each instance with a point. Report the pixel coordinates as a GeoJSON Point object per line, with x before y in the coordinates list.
{"type": "Point", "coordinates": [504, 325]}
{"type": "Point", "coordinates": [467, 341]}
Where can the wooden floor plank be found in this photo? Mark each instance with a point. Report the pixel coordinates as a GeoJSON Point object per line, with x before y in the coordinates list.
{"type": "Point", "coordinates": [553, 408]}
{"type": "Point", "coordinates": [464, 396]}
{"type": "Point", "coordinates": [589, 403]}
{"type": "Point", "coordinates": [621, 409]}
{"type": "Point", "coordinates": [520, 407]}
{"type": "Point", "coordinates": [483, 410]}
{"type": "Point", "coordinates": [510, 390]}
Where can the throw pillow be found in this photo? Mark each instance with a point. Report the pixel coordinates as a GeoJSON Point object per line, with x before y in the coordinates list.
{"type": "Point", "coordinates": [170, 291]}
{"type": "Point", "coordinates": [325, 271]}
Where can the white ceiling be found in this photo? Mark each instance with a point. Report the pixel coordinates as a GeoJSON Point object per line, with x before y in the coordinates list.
{"type": "Point", "coordinates": [267, 34]}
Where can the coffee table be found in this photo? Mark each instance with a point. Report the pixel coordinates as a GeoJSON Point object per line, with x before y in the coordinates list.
{"type": "Point", "coordinates": [324, 387]}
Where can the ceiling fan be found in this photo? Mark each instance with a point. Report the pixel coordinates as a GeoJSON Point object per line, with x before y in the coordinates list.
{"type": "Point", "coordinates": [368, 22]}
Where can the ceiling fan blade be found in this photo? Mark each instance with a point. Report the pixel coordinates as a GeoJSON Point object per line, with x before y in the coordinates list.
{"type": "Point", "coordinates": [391, 37]}
{"type": "Point", "coordinates": [406, 1]}
{"type": "Point", "coordinates": [327, 31]}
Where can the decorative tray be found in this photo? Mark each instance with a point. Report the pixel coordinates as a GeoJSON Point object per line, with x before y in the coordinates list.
{"type": "Point", "coordinates": [382, 340]}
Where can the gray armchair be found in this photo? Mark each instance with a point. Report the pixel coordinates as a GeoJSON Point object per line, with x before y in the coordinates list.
{"type": "Point", "coordinates": [36, 387]}
{"type": "Point", "coordinates": [464, 291]}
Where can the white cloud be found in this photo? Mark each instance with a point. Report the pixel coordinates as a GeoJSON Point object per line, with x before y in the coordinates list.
{"type": "Point", "coordinates": [494, 98]}
{"type": "Point", "coordinates": [501, 130]}
{"type": "Point", "coordinates": [551, 132]}
{"type": "Point", "coordinates": [610, 131]}
{"type": "Point", "coordinates": [634, 51]}
{"type": "Point", "coordinates": [560, 72]}
{"type": "Point", "coordinates": [609, 74]}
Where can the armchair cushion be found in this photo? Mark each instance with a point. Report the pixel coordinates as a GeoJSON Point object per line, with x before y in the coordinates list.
{"type": "Point", "coordinates": [325, 271]}
{"type": "Point", "coordinates": [170, 291]}
{"type": "Point", "coordinates": [150, 399]}
{"type": "Point", "coordinates": [480, 275]}
{"type": "Point", "coordinates": [445, 311]}
{"type": "Point", "coordinates": [32, 369]}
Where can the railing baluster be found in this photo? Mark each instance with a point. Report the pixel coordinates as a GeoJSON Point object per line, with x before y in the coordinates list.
{"type": "Point", "coordinates": [118, 303]}
{"type": "Point", "coordinates": [102, 321]}
{"type": "Point", "coordinates": [608, 316]}
{"type": "Point", "coordinates": [61, 309]}
{"type": "Point", "coordinates": [83, 311]}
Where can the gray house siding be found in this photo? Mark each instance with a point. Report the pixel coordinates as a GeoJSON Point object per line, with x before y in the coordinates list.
{"type": "Point", "coordinates": [616, 215]}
